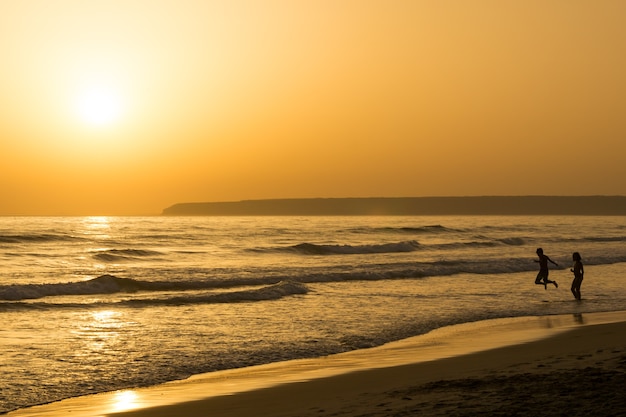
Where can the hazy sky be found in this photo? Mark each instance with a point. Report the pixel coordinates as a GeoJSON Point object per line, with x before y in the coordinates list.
{"type": "Point", "coordinates": [129, 106]}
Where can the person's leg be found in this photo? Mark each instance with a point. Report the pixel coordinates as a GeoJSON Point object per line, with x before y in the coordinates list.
{"type": "Point", "coordinates": [547, 281]}
{"type": "Point", "coordinates": [541, 279]}
{"type": "Point", "coordinates": [577, 284]}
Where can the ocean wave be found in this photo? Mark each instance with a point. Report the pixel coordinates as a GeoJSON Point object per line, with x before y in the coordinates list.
{"type": "Point", "coordinates": [191, 289]}
{"type": "Point", "coordinates": [121, 255]}
{"type": "Point", "coordinates": [110, 284]}
{"type": "Point", "coordinates": [188, 287]}
{"type": "Point", "coordinates": [36, 238]}
{"type": "Point", "coordinates": [270, 292]}
{"type": "Point", "coordinates": [105, 284]}
{"type": "Point", "coordinates": [606, 239]}
{"type": "Point", "coordinates": [314, 249]}
{"type": "Point", "coordinates": [397, 247]}
{"type": "Point", "coordinates": [430, 229]}
{"type": "Point", "coordinates": [513, 241]}
{"type": "Point", "coordinates": [437, 228]}
{"type": "Point", "coordinates": [265, 293]}
{"type": "Point", "coordinates": [461, 245]}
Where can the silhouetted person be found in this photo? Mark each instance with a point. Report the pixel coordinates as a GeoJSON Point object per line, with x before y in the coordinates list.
{"type": "Point", "coordinates": [542, 276]}
{"type": "Point", "coordinates": [578, 271]}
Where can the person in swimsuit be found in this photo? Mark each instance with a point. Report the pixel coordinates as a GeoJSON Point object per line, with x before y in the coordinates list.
{"type": "Point", "coordinates": [578, 271]}
{"type": "Point", "coordinates": [542, 276]}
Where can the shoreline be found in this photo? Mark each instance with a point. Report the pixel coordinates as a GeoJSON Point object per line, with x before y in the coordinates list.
{"type": "Point", "coordinates": [327, 385]}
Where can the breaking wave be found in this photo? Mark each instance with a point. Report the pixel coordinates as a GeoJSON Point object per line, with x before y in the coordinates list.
{"type": "Point", "coordinates": [165, 292]}
{"type": "Point", "coordinates": [313, 249]}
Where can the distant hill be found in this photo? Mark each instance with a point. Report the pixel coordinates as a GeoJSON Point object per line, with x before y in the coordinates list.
{"type": "Point", "coordinates": [488, 205]}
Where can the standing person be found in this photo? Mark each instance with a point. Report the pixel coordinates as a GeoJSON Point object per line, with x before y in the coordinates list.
{"type": "Point", "coordinates": [542, 276]}
{"type": "Point", "coordinates": [578, 271]}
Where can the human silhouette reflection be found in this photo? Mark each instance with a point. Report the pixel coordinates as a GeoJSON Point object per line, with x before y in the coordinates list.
{"type": "Point", "coordinates": [578, 318]}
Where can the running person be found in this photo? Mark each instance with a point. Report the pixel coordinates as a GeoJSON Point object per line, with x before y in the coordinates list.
{"type": "Point", "coordinates": [542, 276]}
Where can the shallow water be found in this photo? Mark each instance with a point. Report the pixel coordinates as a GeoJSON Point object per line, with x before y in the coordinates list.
{"type": "Point", "coordinates": [442, 343]}
{"type": "Point", "coordinates": [193, 295]}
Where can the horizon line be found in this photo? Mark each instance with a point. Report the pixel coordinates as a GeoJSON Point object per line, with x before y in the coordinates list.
{"type": "Point", "coordinates": [160, 212]}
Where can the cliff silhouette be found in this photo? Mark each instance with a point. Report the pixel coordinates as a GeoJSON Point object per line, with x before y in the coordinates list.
{"type": "Point", "coordinates": [484, 205]}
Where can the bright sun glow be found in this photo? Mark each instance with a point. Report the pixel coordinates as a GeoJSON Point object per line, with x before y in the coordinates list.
{"type": "Point", "coordinates": [124, 401]}
{"type": "Point", "coordinates": [99, 105]}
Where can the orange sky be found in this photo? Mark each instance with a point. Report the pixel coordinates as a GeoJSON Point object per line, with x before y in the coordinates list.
{"type": "Point", "coordinates": [129, 106]}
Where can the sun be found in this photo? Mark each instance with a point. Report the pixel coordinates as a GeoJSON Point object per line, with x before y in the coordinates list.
{"type": "Point", "coordinates": [99, 105]}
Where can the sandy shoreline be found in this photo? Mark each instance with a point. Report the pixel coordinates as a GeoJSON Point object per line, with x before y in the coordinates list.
{"type": "Point", "coordinates": [551, 365]}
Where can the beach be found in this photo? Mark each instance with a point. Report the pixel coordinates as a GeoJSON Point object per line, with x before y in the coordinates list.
{"type": "Point", "coordinates": [556, 365]}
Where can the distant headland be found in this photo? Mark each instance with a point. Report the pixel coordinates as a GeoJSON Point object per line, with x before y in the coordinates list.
{"type": "Point", "coordinates": [401, 206]}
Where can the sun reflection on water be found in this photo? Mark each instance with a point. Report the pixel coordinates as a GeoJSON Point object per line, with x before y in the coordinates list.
{"type": "Point", "coordinates": [97, 226]}
{"type": "Point", "coordinates": [104, 315]}
{"type": "Point", "coordinates": [124, 401]}
{"type": "Point", "coordinates": [99, 229]}
{"type": "Point", "coordinates": [100, 333]}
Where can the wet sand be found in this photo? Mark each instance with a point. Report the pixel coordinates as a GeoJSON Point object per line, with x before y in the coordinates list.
{"type": "Point", "coordinates": [553, 365]}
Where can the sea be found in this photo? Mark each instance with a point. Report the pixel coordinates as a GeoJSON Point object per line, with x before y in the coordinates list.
{"type": "Point", "coordinates": [98, 304]}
